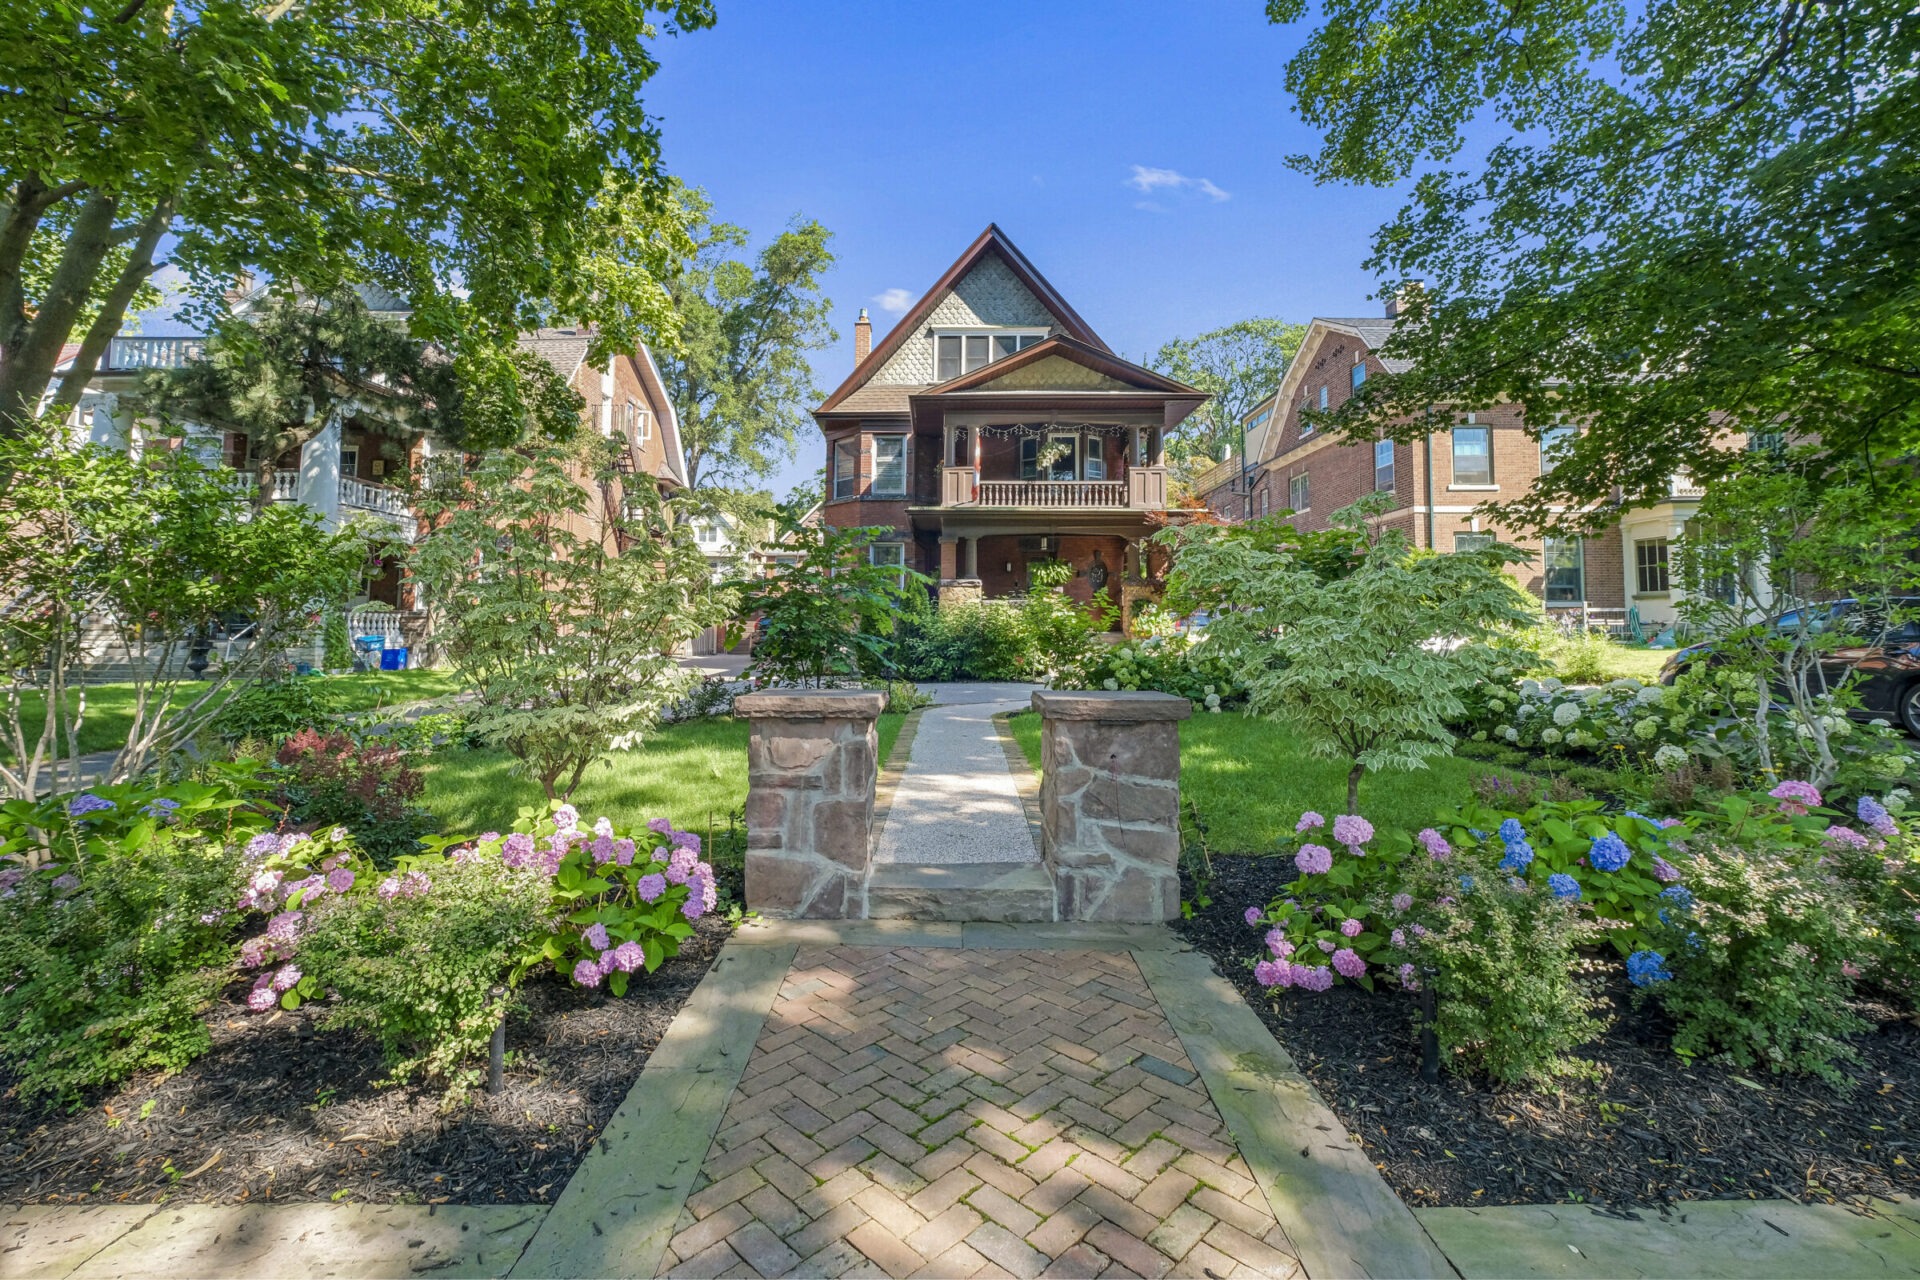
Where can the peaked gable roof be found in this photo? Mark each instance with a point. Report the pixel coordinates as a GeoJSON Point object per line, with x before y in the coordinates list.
{"type": "Point", "coordinates": [991, 242]}
{"type": "Point", "coordinates": [1096, 360]}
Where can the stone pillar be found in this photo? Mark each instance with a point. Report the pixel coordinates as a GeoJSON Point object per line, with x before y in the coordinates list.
{"type": "Point", "coordinates": [812, 761]}
{"type": "Point", "coordinates": [1110, 803]}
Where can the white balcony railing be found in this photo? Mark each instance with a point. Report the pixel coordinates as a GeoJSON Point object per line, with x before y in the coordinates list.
{"type": "Point", "coordinates": [286, 486]}
{"type": "Point", "coordinates": [152, 353]}
{"type": "Point", "coordinates": [356, 496]}
{"type": "Point", "coordinates": [1685, 486]}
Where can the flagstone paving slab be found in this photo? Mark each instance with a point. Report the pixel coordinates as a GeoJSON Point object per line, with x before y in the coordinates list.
{"type": "Point", "coordinates": [941, 1111]}
{"type": "Point", "coordinates": [1711, 1239]}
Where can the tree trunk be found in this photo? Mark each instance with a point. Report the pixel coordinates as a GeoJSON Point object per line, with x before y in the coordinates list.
{"type": "Point", "coordinates": [27, 360]}
{"type": "Point", "coordinates": [1353, 788]}
{"type": "Point", "coordinates": [113, 308]}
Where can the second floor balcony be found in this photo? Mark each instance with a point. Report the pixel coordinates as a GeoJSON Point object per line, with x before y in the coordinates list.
{"type": "Point", "coordinates": [1082, 467]}
{"type": "Point", "coordinates": [1141, 489]}
{"type": "Point", "coordinates": [350, 497]}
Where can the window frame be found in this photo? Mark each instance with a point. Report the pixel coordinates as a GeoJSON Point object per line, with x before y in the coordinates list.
{"type": "Point", "coordinates": [1378, 487]}
{"type": "Point", "coordinates": [899, 551]}
{"type": "Point", "coordinates": [1323, 397]}
{"type": "Point", "coordinates": [992, 337]}
{"type": "Point", "coordinates": [1358, 377]}
{"type": "Point", "coordinates": [1550, 444]}
{"type": "Point", "coordinates": [1485, 433]}
{"type": "Point", "coordinates": [1300, 478]}
{"type": "Point", "coordinates": [845, 487]}
{"type": "Point", "coordinates": [707, 534]}
{"type": "Point", "coordinates": [1661, 564]}
{"type": "Point", "coordinates": [1548, 569]}
{"type": "Point", "coordinates": [1477, 540]}
{"type": "Point", "coordinates": [873, 476]}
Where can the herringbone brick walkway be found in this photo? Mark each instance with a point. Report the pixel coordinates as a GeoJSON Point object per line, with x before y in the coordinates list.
{"type": "Point", "coordinates": [970, 1113]}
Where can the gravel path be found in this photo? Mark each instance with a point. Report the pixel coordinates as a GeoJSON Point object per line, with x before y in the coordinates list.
{"type": "Point", "coordinates": [957, 801]}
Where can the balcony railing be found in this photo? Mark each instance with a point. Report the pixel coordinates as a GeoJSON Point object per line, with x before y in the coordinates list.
{"type": "Point", "coordinates": [286, 486]}
{"type": "Point", "coordinates": [1685, 486]}
{"type": "Point", "coordinates": [1145, 488]}
{"type": "Point", "coordinates": [355, 496]}
{"type": "Point", "coordinates": [152, 353]}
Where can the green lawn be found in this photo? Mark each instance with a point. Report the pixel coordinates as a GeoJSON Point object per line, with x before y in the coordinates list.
{"type": "Point", "coordinates": [1641, 664]}
{"type": "Point", "coordinates": [110, 706]}
{"type": "Point", "coordinates": [693, 773]}
{"type": "Point", "coordinates": [1251, 782]}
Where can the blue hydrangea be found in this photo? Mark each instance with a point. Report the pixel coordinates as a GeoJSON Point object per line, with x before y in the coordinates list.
{"type": "Point", "coordinates": [1466, 884]}
{"type": "Point", "coordinates": [1679, 895]}
{"type": "Point", "coordinates": [1563, 885]}
{"type": "Point", "coordinates": [1512, 832]}
{"type": "Point", "coordinates": [1609, 853]}
{"type": "Point", "coordinates": [1644, 968]}
{"type": "Point", "coordinates": [1476, 833]}
{"type": "Point", "coordinates": [85, 803]}
{"type": "Point", "coordinates": [1519, 856]}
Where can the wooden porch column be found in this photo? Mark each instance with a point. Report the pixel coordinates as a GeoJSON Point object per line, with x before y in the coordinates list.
{"type": "Point", "coordinates": [973, 557]}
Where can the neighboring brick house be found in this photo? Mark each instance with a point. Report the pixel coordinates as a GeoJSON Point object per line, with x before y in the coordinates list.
{"type": "Point", "coordinates": [1225, 488]}
{"type": "Point", "coordinates": [1441, 478]}
{"type": "Point", "coordinates": [992, 430]}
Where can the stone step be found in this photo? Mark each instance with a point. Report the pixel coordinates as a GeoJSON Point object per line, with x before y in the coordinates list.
{"type": "Point", "coordinates": [1009, 892]}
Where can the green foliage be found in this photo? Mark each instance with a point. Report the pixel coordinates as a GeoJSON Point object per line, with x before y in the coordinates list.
{"type": "Point", "coordinates": [328, 779]}
{"type": "Point", "coordinates": [1577, 656]}
{"type": "Point", "coordinates": [738, 376]}
{"type": "Point", "coordinates": [1502, 960]}
{"type": "Point", "coordinates": [113, 934]}
{"type": "Point", "coordinates": [273, 710]}
{"type": "Point", "coordinates": [981, 640]}
{"type": "Point", "coordinates": [1885, 884]}
{"type": "Point", "coordinates": [829, 615]}
{"type": "Point", "coordinates": [1173, 664]}
{"type": "Point", "coordinates": [1238, 366]}
{"type": "Point", "coordinates": [324, 144]}
{"type": "Point", "coordinates": [1368, 666]}
{"type": "Point", "coordinates": [904, 696]}
{"type": "Point", "coordinates": [564, 635]}
{"type": "Point", "coordinates": [157, 549]}
{"type": "Point", "coordinates": [1758, 964]}
{"type": "Point", "coordinates": [426, 974]}
{"type": "Point", "coordinates": [1577, 259]}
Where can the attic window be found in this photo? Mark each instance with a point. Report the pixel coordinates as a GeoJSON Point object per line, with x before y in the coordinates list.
{"type": "Point", "coordinates": [958, 353]}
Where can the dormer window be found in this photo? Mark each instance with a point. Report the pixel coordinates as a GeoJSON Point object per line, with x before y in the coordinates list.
{"type": "Point", "coordinates": [958, 353]}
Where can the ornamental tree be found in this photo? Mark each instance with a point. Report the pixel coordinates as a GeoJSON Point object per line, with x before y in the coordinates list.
{"type": "Point", "coordinates": [470, 157]}
{"type": "Point", "coordinates": [559, 597]}
{"type": "Point", "coordinates": [1238, 366]}
{"type": "Point", "coordinates": [827, 616]}
{"type": "Point", "coordinates": [1365, 667]}
{"type": "Point", "coordinates": [156, 548]}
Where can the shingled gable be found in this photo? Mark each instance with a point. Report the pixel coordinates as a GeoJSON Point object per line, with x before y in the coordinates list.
{"type": "Point", "coordinates": [991, 242]}
{"type": "Point", "coordinates": [1015, 371]}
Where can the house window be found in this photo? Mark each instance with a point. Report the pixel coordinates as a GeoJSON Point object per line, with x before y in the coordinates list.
{"type": "Point", "coordinates": [1471, 542]}
{"type": "Point", "coordinates": [958, 353]}
{"type": "Point", "coordinates": [1096, 467]}
{"type": "Point", "coordinates": [889, 555]}
{"type": "Point", "coordinates": [846, 468]}
{"type": "Point", "coordinates": [1650, 565]}
{"type": "Point", "coordinates": [1473, 455]}
{"type": "Point", "coordinates": [962, 448]}
{"type": "Point", "coordinates": [1554, 443]}
{"type": "Point", "coordinates": [1382, 464]}
{"type": "Point", "coordinates": [1306, 427]}
{"type": "Point", "coordinates": [1359, 372]}
{"type": "Point", "coordinates": [1323, 397]}
{"type": "Point", "coordinates": [1259, 418]}
{"type": "Point", "coordinates": [350, 460]}
{"type": "Point", "coordinates": [889, 467]}
{"type": "Point", "coordinates": [1297, 497]}
{"type": "Point", "coordinates": [707, 533]}
{"type": "Point", "coordinates": [1147, 446]}
{"type": "Point", "coordinates": [1565, 563]}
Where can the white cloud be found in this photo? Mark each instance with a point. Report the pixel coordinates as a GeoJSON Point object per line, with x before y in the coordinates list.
{"type": "Point", "coordinates": [893, 300]}
{"type": "Point", "coordinates": [1147, 180]}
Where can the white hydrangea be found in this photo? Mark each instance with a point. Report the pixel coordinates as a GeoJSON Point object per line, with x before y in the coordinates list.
{"type": "Point", "coordinates": [1648, 695]}
{"type": "Point", "coordinates": [1550, 736]}
{"type": "Point", "coordinates": [1668, 758]}
{"type": "Point", "coordinates": [1480, 736]}
{"type": "Point", "coordinates": [1553, 684]}
{"type": "Point", "coordinates": [1111, 683]}
{"type": "Point", "coordinates": [1213, 701]}
{"type": "Point", "coordinates": [1566, 713]}
{"type": "Point", "coordinates": [1897, 799]}
{"type": "Point", "coordinates": [1510, 733]}
{"type": "Point", "coordinates": [1496, 706]}
{"type": "Point", "coordinates": [1646, 730]}
{"type": "Point", "coordinates": [1579, 738]}
{"type": "Point", "coordinates": [1524, 710]}
{"type": "Point", "coordinates": [1624, 682]}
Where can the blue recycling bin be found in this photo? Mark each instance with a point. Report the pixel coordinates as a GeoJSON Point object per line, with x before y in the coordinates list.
{"type": "Point", "coordinates": [393, 659]}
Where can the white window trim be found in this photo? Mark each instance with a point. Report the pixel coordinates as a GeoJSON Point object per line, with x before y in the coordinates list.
{"type": "Point", "coordinates": [906, 465]}
{"type": "Point", "coordinates": [1453, 458]}
{"type": "Point", "coordinates": [833, 474]}
{"type": "Point", "coordinates": [1388, 487]}
{"type": "Point", "coordinates": [1307, 484]}
{"type": "Point", "coordinates": [897, 548]}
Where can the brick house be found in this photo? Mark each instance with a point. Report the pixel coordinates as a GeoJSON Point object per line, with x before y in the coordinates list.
{"type": "Point", "coordinates": [1440, 480]}
{"type": "Point", "coordinates": [992, 431]}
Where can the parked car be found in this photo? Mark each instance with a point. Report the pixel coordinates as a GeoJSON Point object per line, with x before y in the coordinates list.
{"type": "Point", "coordinates": [1888, 679]}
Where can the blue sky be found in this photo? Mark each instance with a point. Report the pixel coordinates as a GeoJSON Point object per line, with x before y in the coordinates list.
{"type": "Point", "coordinates": [906, 128]}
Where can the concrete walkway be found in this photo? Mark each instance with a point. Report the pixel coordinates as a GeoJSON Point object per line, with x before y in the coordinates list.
{"type": "Point", "coordinates": [957, 801]}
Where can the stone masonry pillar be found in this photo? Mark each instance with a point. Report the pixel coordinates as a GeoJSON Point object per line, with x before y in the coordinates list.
{"type": "Point", "coordinates": [1110, 803]}
{"type": "Point", "coordinates": [812, 759]}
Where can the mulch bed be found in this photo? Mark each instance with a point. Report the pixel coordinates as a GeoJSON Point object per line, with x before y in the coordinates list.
{"type": "Point", "coordinates": [1650, 1129]}
{"type": "Point", "coordinates": [277, 1110]}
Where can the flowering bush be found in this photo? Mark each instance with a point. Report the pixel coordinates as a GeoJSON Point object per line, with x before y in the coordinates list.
{"type": "Point", "coordinates": [1754, 963]}
{"type": "Point", "coordinates": [106, 819]}
{"type": "Point", "coordinates": [329, 779]}
{"type": "Point", "coordinates": [1324, 923]}
{"type": "Point", "coordinates": [1500, 953]}
{"type": "Point", "coordinates": [1173, 664]}
{"type": "Point", "coordinates": [111, 950]}
{"type": "Point", "coordinates": [1880, 865]}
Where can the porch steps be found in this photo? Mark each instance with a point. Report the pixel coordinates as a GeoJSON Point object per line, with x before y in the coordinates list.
{"type": "Point", "coordinates": [998, 892]}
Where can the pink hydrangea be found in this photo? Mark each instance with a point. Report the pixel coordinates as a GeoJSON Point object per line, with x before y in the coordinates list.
{"type": "Point", "coordinates": [1268, 973]}
{"type": "Point", "coordinates": [1436, 844]}
{"type": "Point", "coordinates": [1796, 797]}
{"type": "Point", "coordinates": [415, 883]}
{"type": "Point", "coordinates": [1252, 916]}
{"type": "Point", "coordinates": [253, 953]}
{"type": "Point", "coordinates": [1407, 979]}
{"type": "Point", "coordinates": [660, 827]}
{"type": "Point", "coordinates": [1844, 838]}
{"type": "Point", "coordinates": [602, 849]}
{"type": "Point", "coordinates": [286, 977]}
{"type": "Point", "coordinates": [1663, 871]}
{"type": "Point", "coordinates": [696, 904]}
{"type": "Point", "coordinates": [623, 851]}
{"type": "Point", "coordinates": [284, 929]}
{"type": "Point", "coordinates": [517, 852]}
{"type": "Point", "coordinates": [1308, 821]}
{"type": "Point", "coordinates": [339, 879]}
{"type": "Point", "coordinates": [1348, 963]}
{"type": "Point", "coordinates": [389, 889]}
{"type": "Point", "coordinates": [1350, 927]}
{"type": "Point", "coordinates": [686, 840]}
{"type": "Point", "coordinates": [1402, 901]}
{"type": "Point", "coordinates": [1312, 977]}
{"type": "Point", "coordinates": [628, 957]}
{"type": "Point", "coordinates": [1352, 830]}
{"type": "Point", "coordinates": [603, 827]}
{"type": "Point", "coordinates": [1325, 944]}
{"type": "Point", "coordinates": [566, 818]}
{"type": "Point", "coordinates": [595, 936]}
{"type": "Point", "coordinates": [651, 886]}
{"type": "Point", "coordinates": [709, 895]}
{"type": "Point", "coordinates": [587, 973]}
{"type": "Point", "coordinates": [488, 837]}
{"type": "Point", "coordinates": [1314, 859]}
{"type": "Point", "coordinates": [1398, 938]}
{"type": "Point", "coordinates": [1278, 944]}
{"type": "Point", "coordinates": [262, 997]}
{"type": "Point", "coordinates": [681, 865]}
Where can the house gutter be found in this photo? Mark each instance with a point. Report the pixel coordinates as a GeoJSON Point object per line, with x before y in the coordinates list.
{"type": "Point", "coordinates": [1428, 458]}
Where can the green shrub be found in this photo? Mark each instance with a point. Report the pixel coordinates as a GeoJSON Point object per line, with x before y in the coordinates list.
{"type": "Point", "coordinates": [114, 941]}
{"type": "Point", "coordinates": [1501, 955]}
{"type": "Point", "coordinates": [1577, 656]}
{"type": "Point", "coordinates": [904, 696]}
{"type": "Point", "coordinates": [1758, 963]}
{"type": "Point", "coordinates": [272, 711]}
{"type": "Point", "coordinates": [426, 973]}
{"type": "Point", "coordinates": [1176, 665]}
{"type": "Point", "coordinates": [368, 788]}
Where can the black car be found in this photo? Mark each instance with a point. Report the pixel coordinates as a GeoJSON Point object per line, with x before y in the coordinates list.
{"type": "Point", "coordinates": [1889, 668]}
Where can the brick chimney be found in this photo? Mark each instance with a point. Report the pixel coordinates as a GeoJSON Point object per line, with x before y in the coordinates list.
{"type": "Point", "coordinates": [862, 337]}
{"type": "Point", "coordinates": [1402, 300]}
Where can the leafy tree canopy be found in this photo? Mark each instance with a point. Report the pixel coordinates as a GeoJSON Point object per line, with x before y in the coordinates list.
{"type": "Point", "coordinates": [1239, 366]}
{"type": "Point", "coordinates": [738, 375]}
{"type": "Point", "coordinates": [1694, 220]}
{"type": "Point", "coordinates": [453, 151]}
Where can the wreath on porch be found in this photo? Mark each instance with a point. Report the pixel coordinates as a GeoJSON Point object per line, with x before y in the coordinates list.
{"type": "Point", "coordinates": [1051, 452]}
